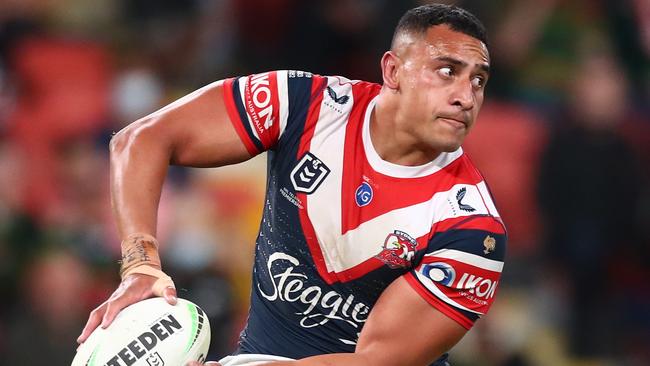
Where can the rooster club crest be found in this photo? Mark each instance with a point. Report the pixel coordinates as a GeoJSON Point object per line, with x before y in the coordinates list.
{"type": "Point", "coordinates": [490, 244]}
{"type": "Point", "coordinates": [398, 250]}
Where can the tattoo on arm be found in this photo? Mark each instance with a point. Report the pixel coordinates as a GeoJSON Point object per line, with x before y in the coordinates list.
{"type": "Point", "coordinates": [137, 250]}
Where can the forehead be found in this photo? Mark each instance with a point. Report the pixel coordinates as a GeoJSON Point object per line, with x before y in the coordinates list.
{"type": "Point", "coordinates": [442, 41]}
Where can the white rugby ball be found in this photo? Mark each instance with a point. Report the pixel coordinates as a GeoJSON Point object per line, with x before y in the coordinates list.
{"type": "Point", "coordinates": [149, 333]}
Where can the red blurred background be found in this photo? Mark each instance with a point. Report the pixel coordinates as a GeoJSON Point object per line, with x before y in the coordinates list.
{"type": "Point", "coordinates": [563, 139]}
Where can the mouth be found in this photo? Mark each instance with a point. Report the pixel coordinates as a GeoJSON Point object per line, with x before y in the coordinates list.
{"type": "Point", "coordinates": [454, 122]}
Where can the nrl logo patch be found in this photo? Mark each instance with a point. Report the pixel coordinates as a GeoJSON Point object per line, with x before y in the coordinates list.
{"type": "Point", "coordinates": [308, 174]}
{"type": "Point", "coordinates": [398, 250]}
{"type": "Point", "coordinates": [154, 359]}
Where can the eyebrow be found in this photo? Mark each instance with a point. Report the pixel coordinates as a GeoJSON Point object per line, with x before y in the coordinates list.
{"type": "Point", "coordinates": [454, 61]}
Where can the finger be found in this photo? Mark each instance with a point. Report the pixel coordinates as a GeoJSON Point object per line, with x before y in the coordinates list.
{"type": "Point", "coordinates": [92, 323]}
{"type": "Point", "coordinates": [113, 308]}
{"type": "Point", "coordinates": [169, 293]}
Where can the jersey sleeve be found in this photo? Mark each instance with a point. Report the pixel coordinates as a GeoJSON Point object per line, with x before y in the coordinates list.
{"type": "Point", "coordinates": [460, 271]}
{"type": "Point", "coordinates": [262, 107]}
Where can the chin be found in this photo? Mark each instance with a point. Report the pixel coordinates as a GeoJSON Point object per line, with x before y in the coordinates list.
{"type": "Point", "coordinates": [443, 141]}
{"type": "Point", "coordinates": [448, 142]}
{"type": "Point", "coordinates": [449, 147]}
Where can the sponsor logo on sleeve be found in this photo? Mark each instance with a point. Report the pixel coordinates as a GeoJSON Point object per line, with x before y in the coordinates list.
{"type": "Point", "coordinates": [439, 272]}
{"type": "Point", "coordinates": [261, 104]}
{"type": "Point", "coordinates": [462, 285]}
{"type": "Point", "coordinates": [308, 174]}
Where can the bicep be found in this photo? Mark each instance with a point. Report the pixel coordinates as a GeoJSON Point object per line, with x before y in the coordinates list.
{"type": "Point", "coordinates": [197, 129]}
{"type": "Point", "coordinates": [424, 313]}
{"type": "Point", "coordinates": [404, 329]}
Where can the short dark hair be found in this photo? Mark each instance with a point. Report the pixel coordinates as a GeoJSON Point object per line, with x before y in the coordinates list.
{"type": "Point", "coordinates": [418, 20]}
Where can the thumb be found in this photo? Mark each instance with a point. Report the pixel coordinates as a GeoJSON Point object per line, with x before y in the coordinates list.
{"type": "Point", "coordinates": [169, 293]}
{"type": "Point", "coordinates": [162, 288]}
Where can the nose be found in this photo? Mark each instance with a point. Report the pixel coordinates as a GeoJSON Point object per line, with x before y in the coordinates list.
{"type": "Point", "coordinates": [462, 95]}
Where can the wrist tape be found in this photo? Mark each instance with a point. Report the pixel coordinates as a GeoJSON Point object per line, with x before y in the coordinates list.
{"type": "Point", "coordinates": [140, 255]}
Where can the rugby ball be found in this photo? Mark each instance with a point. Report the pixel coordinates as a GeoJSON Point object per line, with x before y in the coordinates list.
{"type": "Point", "coordinates": [149, 333]}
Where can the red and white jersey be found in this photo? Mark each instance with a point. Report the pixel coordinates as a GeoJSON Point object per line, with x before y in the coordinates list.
{"type": "Point", "coordinates": [340, 224]}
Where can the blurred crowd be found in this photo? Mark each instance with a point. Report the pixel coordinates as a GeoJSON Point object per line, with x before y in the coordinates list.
{"type": "Point", "coordinates": [563, 139]}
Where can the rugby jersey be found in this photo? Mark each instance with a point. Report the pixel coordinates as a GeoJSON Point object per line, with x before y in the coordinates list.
{"type": "Point", "coordinates": [340, 224]}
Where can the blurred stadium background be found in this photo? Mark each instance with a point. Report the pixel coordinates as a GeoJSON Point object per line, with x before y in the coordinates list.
{"type": "Point", "coordinates": [564, 139]}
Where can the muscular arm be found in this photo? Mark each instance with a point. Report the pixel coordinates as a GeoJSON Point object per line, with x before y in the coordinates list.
{"type": "Point", "coordinates": [193, 131]}
{"type": "Point", "coordinates": [402, 330]}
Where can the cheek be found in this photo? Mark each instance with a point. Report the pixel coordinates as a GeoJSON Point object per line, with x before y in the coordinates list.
{"type": "Point", "coordinates": [416, 76]}
{"type": "Point", "coordinates": [429, 81]}
{"type": "Point", "coordinates": [477, 104]}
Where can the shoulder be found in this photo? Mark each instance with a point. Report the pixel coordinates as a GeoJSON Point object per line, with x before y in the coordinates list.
{"type": "Point", "coordinates": [463, 168]}
{"type": "Point", "coordinates": [466, 195]}
{"type": "Point", "coordinates": [333, 88]}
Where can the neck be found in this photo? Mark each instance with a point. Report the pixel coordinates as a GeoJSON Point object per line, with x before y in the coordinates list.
{"type": "Point", "coordinates": [392, 141]}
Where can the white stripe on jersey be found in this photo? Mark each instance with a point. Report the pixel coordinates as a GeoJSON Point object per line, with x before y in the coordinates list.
{"type": "Point", "coordinates": [283, 99]}
{"type": "Point", "coordinates": [468, 258]}
{"type": "Point", "coordinates": [366, 241]}
{"type": "Point", "coordinates": [430, 285]}
{"type": "Point", "coordinates": [324, 205]}
{"type": "Point", "coordinates": [482, 187]}
{"type": "Point", "coordinates": [342, 252]}
{"type": "Point", "coordinates": [242, 95]}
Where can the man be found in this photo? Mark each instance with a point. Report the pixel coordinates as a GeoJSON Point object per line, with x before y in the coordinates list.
{"type": "Point", "coordinates": [379, 243]}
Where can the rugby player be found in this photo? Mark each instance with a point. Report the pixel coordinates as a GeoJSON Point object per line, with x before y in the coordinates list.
{"type": "Point", "coordinates": [380, 243]}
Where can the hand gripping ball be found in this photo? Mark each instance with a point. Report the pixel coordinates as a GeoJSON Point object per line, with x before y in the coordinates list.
{"type": "Point", "coordinates": [149, 333]}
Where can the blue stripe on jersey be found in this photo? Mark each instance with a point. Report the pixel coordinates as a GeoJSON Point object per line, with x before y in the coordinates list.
{"type": "Point", "coordinates": [469, 241]}
{"type": "Point", "coordinates": [299, 100]}
{"type": "Point", "coordinates": [243, 116]}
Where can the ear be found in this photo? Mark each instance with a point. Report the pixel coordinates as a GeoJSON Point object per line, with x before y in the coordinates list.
{"type": "Point", "coordinates": [390, 70]}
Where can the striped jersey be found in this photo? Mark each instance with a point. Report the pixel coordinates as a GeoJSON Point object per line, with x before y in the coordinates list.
{"type": "Point", "coordinates": [340, 224]}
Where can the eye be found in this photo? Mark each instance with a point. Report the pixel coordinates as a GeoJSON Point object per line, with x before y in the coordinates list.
{"type": "Point", "coordinates": [478, 82]}
{"type": "Point", "coordinates": [446, 72]}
